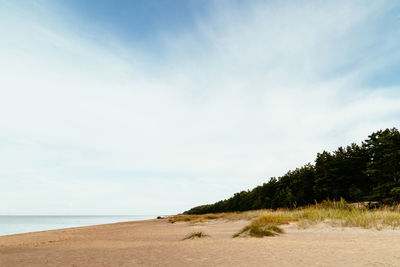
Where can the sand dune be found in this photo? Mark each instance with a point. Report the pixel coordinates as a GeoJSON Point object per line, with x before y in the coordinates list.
{"type": "Point", "coordinates": [159, 243]}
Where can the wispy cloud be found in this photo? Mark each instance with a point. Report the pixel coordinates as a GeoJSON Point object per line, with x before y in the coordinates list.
{"type": "Point", "coordinates": [250, 92]}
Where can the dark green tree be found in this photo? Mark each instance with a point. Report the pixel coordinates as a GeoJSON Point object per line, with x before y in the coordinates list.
{"type": "Point", "coordinates": [355, 173]}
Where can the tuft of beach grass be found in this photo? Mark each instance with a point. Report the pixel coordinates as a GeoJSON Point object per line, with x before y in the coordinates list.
{"type": "Point", "coordinates": [194, 235]}
{"type": "Point", "coordinates": [256, 229]}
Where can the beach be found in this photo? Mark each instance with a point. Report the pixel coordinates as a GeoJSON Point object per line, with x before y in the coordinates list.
{"type": "Point", "coordinates": [159, 243]}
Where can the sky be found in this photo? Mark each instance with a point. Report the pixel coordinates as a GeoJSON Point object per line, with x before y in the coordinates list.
{"type": "Point", "coordinates": [153, 107]}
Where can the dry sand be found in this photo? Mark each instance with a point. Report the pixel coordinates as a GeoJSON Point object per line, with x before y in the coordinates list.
{"type": "Point", "coordinates": [159, 243]}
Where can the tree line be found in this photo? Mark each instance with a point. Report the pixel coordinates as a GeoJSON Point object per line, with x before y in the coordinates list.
{"type": "Point", "coordinates": [366, 172]}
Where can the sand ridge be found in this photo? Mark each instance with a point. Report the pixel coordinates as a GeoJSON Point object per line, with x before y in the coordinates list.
{"type": "Point", "coordinates": [159, 243]}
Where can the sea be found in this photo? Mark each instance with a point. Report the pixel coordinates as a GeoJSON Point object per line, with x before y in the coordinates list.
{"type": "Point", "coordinates": [17, 224]}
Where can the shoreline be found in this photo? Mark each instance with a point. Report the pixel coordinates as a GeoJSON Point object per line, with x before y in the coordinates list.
{"type": "Point", "coordinates": [21, 224]}
{"type": "Point", "coordinates": [157, 242]}
{"type": "Point", "coordinates": [72, 228]}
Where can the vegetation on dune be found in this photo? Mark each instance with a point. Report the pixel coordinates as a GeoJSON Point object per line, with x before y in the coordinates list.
{"type": "Point", "coordinates": [195, 235]}
{"type": "Point", "coordinates": [344, 214]}
{"type": "Point", "coordinates": [335, 213]}
{"type": "Point", "coordinates": [356, 173]}
{"type": "Point", "coordinates": [231, 216]}
{"type": "Point", "coordinates": [257, 229]}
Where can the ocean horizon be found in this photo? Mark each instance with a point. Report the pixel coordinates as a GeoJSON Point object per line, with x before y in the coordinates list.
{"type": "Point", "coordinates": [18, 224]}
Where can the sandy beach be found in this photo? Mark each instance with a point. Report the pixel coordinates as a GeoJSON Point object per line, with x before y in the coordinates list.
{"type": "Point", "coordinates": [159, 243]}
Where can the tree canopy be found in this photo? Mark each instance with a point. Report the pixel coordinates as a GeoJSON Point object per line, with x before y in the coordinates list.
{"type": "Point", "coordinates": [366, 172]}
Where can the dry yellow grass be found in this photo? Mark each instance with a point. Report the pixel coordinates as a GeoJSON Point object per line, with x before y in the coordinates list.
{"type": "Point", "coordinates": [194, 235]}
{"type": "Point", "coordinates": [231, 216]}
{"type": "Point", "coordinates": [337, 213]}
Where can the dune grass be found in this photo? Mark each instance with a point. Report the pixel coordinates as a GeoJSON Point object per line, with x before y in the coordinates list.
{"type": "Point", "coordinates": [195, 235]}
{"type": "Point", "coordinates": [335, 213]}
{"type": "Point", "coordinates": [259, 230]}
{"type": "Point", "coordinates": [347, 215]}
{"type": "Point", "coordinates": [231, 216]}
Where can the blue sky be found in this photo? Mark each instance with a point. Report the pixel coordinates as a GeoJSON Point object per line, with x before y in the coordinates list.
{"type": "Point", "coordinates": [138, 20]}
{"type": "Point", "coordinates": [152, 107]}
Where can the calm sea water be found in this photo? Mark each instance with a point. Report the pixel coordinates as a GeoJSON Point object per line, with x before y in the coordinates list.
{"type": "Point", "coordinates": [28, 223]}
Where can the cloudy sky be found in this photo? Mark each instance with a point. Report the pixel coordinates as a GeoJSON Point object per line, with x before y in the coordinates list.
{"type": "Point", "coordinates": [153, 107]}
